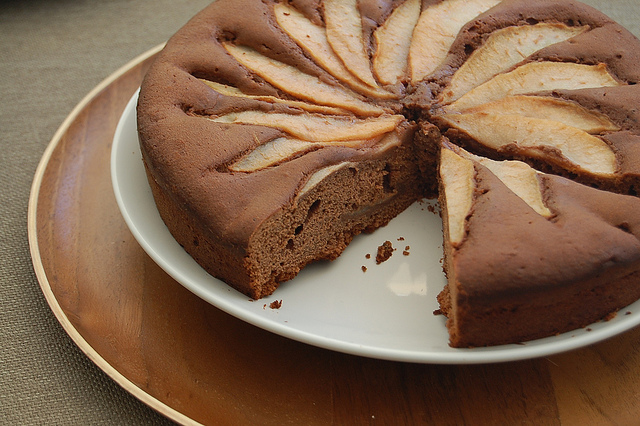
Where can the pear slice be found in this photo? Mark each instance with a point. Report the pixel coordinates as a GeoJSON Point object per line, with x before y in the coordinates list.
{"type": "Point", "coordinates": [270, 153]}
{"type": "Point", "coordinates": [225, 90]}
{"type": "Point", "coordinates": [437, 29]}
{"type": "Point", "coordinates": [313, 39]}
{"type": "Point", "coordinates": [393, 40]}
{"type": "Point", "coordinates": [457, 178]}
{"type": "Point", "coordinates": [281, 149]}
{"type": "Point", "coordinates": [569, 113]}
{"type": "Point", "coordinates": [299, 84]}
{"type": "Point", "coordinates": [532, 135]}
{"type": "Point", "coordinates": [388, 141]}
{"type": "Point", "coordinates": [504, 49]}
{"type": "Point", "coordinates": [317, 128]}
{"type": "Point", "coordinates": [519, 177]}
{"type": "Point", "coordinates": [536, 77]}
{"type": "Point", "coordinates": [320, 175]}
{"type": "Point", "coordinates": [344, 33]}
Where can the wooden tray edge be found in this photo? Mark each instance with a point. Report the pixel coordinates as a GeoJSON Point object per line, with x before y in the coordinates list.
{"type": "Point", "coordinates": [38, 266]}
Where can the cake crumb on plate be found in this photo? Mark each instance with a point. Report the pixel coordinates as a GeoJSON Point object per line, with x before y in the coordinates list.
{"type": "Point", "coordinates": [384, 252]}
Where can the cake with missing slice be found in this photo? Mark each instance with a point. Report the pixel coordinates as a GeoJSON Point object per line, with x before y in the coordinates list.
{"type": "Point", "coordinates": [274, 132]}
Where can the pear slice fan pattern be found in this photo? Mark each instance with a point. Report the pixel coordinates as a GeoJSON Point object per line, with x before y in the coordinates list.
{"type": "Point", "coordinates": [497, 103]}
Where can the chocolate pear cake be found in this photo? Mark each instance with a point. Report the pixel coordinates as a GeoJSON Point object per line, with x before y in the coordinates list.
{"type": "Point", "coordinates": [273, 133]}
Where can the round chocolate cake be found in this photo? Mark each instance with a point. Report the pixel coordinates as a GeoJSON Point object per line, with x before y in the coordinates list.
{"type": "Point", "coordinates": [274, 132]}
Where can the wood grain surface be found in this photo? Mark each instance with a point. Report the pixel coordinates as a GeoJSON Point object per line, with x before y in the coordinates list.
{"type": "Point", "coordinates": [196, 364]}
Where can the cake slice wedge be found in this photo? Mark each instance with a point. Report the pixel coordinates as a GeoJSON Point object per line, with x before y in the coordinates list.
{"type": "Point", "coordinates": [531, 255]}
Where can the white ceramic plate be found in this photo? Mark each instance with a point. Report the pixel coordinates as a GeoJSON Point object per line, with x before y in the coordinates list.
{"type": "Point", "coordinates": [385, 312]}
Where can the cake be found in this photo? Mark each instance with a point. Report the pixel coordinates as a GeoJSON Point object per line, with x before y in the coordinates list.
{"type": "Point", "coordinates": [273, 133]}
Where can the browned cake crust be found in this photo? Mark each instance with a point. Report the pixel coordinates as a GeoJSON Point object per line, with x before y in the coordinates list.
{"type": "Point", "coordinates": [515, 275]}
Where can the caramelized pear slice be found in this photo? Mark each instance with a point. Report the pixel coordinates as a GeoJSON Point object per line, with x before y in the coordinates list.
{"type": "Point", "coordinates": [389, 140]}
{"type": "Point", "coordinates": [317, 128]}
{"type": "Point", "coordinates": [299, 84]}
{"type": "Point", "coordinates": [457, 179]}
{"type": "Point", "coordinates": [504, 49]}
{"type": "Point", "coordinates": [393, 40]}
{"type": "Point", "coordinates": [536, 77]}
{"type": "Point", "coordinates": [270, 153]}
{"type": "Point", "coordinates": [320, 175]}
{"type": "Point", "coordinates": [569, 113]}
{"type": "Point", "coordinates": [344, 33]}
{"type": "Point", "coordinates": [437, 29]}
{"type": "Point", "coordinates": [519, 177]}
{"type": "Point", "coordinates": [281, 149]}
{"type": "Point", "coordinates": [313, 39]}
{"type": "Point", "coordinates": [536, 138]}
{"type": "Point", "coordinates": [237, 93]}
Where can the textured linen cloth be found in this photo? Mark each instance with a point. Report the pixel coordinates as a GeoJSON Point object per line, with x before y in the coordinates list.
{"type": "Point", "coordinates": [52, 53]}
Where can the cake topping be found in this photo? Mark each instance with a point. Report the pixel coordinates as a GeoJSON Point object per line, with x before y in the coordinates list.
{"type": "Point", "coordinates": [569, 113]}
{"type": "Point", "coordinates": [457, 177]}
{"type": "Point", "coordinates": [536, 77]}
{"type": "Point", "coordinates": [457, 172]}
{"type": "Point", "coordinates": [518, 177]}
{"type": "Point", "coordinates": [393, 41]}
{"type": "Point", "coordinates": [305, 106]}
{"type": "Point", "coordinates": [344, 33]}
{"type": "Point", "coordinates": [282, 149]}
{"type": "Point", "coordinates": [437, 29]}
{"type": "Point", "coordinates": [318, 176]}
{"type": "Point", "coordinates": [313, 39]}
{"type": "Point", "coordinates": [538, 138]}
{"type": "Point", "coordinates": [319, 128]}
{"type": "Point", "coordinates": [504, 49]}
{"type": "Point", "coordinates": [299, 84]}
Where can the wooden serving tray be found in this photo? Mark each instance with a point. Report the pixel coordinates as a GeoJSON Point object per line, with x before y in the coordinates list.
{"type": "Point", "coordinates": [196, 364]}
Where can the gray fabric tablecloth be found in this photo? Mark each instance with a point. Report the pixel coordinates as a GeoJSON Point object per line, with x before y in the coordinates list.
{"type": "Point", "coordinates": [52, 53]}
